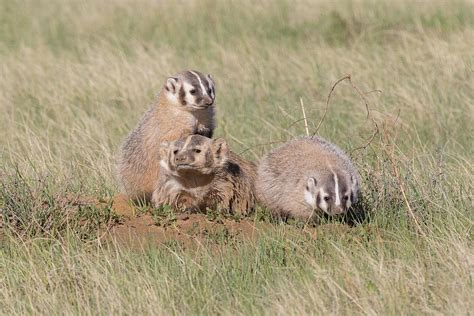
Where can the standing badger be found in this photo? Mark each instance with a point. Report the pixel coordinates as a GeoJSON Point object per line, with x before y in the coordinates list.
{"type": "Point", "coordinates": [184, 107]}
{"type": "Point", "coordinates": [306, 174]}
{"type": "Point", "coordinates": [198, 173]}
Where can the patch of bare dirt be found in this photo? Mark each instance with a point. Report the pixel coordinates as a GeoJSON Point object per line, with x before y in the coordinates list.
{"type": "Point", "coordinates": [139, 228]}
{"type": "Point", "coordinates": [143, 226]}
{"type": "Point", "coordinates": [187, 230]}
{"type": "Point", "coordinates": [121, 206]}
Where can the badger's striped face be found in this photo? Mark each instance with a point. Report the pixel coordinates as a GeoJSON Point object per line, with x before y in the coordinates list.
{"type": "Point", "coordinates": [194, 154]}
{"type": "Point", "coordinates": [333, 194]}
{"type": "Point", "coordinates": [192, 90]}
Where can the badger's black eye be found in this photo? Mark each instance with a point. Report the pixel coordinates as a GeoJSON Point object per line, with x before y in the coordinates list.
{"type": "Point", "coordinates": [327, 198]}
{"type": "Point", "coordinates": [192, 91]}
{"type": "Point", "coordinates": [345, 198]}
{"type": "Point", "coordinates": [175, 151]}
{"type": "Point", "coordinates": [197, 151]}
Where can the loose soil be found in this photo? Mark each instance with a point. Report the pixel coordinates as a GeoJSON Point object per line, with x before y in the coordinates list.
{"type": "Point", "coordinates": [138, 228]}
{"type": "Point", "coordinates": [143, 227]}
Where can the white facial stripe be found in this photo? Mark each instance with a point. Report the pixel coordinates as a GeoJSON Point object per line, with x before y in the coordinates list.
{"type": "Point", "coordinates": [322, 203]}
{"type": "Point", "coordinates": [336, 188]}
{"type": "Point", "coordinates": [186, 143]}
{"type": "Point", "coordinates": [209, 81]}
{"type": "Point", "coordinates": [204, 92]}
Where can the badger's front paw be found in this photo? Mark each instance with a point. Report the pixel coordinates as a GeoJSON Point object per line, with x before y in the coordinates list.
{"type": "Point", "coordinates": [204, 131]}
{"type": "Point", "coordinates": [156, 199]}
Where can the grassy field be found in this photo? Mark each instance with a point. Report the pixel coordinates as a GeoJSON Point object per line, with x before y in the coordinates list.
{"type": "Point", "coordinates": [77, 75]}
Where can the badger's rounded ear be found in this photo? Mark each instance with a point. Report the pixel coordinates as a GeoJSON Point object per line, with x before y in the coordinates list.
{"type": "Point", "coordinates": [172, 85]}
{"type": "Point", "coordinates": [220, 150]}
{"type": "Point", "coordinates": [209, 77]}
{"type": "Point", "coordinates": [310, 192]}
{"type": "Point", "coordinates": [311, 185]}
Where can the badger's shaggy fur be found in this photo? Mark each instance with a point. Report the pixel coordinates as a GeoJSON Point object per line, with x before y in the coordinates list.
{"type": "Point", "coordinates": [185, 106]}
{"type": "Point", "coordinates": [199, 173]}
{"type": "Point", "coordinates": [305, 175]}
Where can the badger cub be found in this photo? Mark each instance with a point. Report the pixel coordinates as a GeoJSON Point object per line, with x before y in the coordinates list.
{"type": "Point", "coordinates": [184, 107]}
{"type": "Point", "coordinates": [307, 175]}
{"type": "Point", "coordinates": [198, 173]}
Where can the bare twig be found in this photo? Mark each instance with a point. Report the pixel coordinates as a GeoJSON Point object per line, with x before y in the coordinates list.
{"type": "Point", "coordinates": [333, 87]}
{"type": "Point", "coordinates": [369, 141]}
{"type": "Point", "coordinates": [363, 98]}
{"type": "Point", "coordinates": [304, 117]}
{"type": "Point", "coordinates": [348, 77]}
{"type": "Point", "coordinates": [295, 122]}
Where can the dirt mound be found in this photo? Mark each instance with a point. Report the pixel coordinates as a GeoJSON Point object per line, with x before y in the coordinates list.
{"type": "Point", "coordinates": [185, 230]}
{"type": "Point", "coordinates": [149, 226]}
{"type": "Point", "coordinates": [146, 227]}
{"type": "Point", "coordinates": [121, 206]}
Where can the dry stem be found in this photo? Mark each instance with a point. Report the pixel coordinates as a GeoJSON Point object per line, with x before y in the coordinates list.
{"type": "Point", "coordinates": [390, 152]}
{"type": "Point", "coordinates": [362, 96]}
{"type": "Point", "coordinates": [304, 117]}
{"type": "Point", "coordinates": [348, 77]}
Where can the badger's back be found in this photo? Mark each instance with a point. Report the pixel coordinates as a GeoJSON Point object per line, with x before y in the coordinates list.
{"type": "Point", "coordinates": [283, 173]}
{"type": "Point", "coordinates": [234, 187]}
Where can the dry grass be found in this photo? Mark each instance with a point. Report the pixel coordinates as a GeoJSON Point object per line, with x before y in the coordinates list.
{"type": "Point", "coordinates": [77, 75]}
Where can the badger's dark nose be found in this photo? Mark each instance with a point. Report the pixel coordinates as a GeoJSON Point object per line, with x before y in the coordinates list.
{"type": "Point", "coordinates": [180, 159]}
{"type": "Point", "coordinates": [208, 100]}
{"type": "Point", "coordinates": [338, 210]}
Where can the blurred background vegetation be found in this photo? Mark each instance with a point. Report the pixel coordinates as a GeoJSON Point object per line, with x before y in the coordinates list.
{"type": "Point", "coordinates": [76, 76]}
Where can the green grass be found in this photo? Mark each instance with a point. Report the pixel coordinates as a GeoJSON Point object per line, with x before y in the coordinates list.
{"type": "Point", "coordinates": [77, 75]}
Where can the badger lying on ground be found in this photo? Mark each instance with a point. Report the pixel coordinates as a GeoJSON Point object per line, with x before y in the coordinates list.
{"type": "Point", "coordinates": [307, 175]}
{"type": "Point", "coordinates": [198, 173]}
